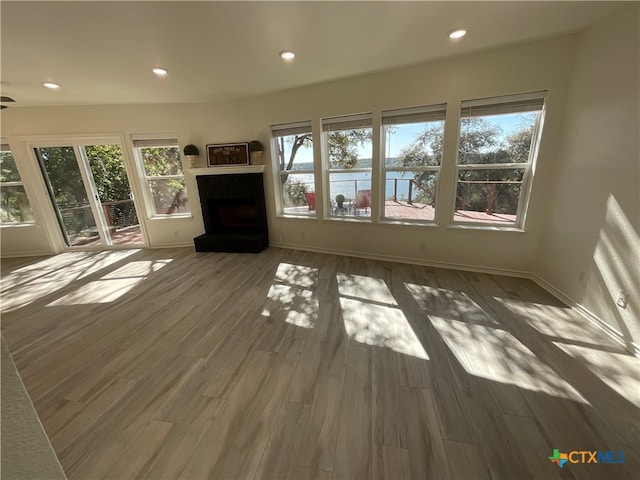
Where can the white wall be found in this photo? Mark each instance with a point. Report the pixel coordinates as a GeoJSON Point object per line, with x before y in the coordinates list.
{"type": "Point", "coordinates": [540, 65]}
{"type": "Point", "coordinates": [24, 126]}
{"type": "Point", "coordinates": [594, 203]}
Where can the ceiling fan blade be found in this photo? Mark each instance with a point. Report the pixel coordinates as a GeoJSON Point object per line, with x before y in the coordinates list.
{"type": "Point", "coordinates": [6, 99]}
{"type": "Point", "coordinates": [2, 106]}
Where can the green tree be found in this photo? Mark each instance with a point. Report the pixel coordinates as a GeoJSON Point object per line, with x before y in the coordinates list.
{"type": "Point", "coordinates": [519, 144]}
{"type": "Point", "coordinates": [478, 138]}
{"type": "Point", "coordinates": [294, 191]}
{"type": "Point", "coordinates": [343, 153]}
{"type": "Point", "coordinates": [160, 161]}
{"type": "Point", "coordinates": [67, 188]}
{"type": "Point", "coordinates": [296, 141]}
{"type": "Point", "coordinates": [164, 162]}
{"type": "Point", "coordinates": [14, 206]}
{"type": "Point", "coordinates": [481, 142]}
{"type": "Point", "coordinates": [425, 151]}
{"type": "Point", "coordinates": [343, 146]}
{"type": "Point", "coordinates": [64, 175]}
{"type": "Point", "coordinates": [110, 176]}
{"type": "Point", "coordinates": [8, 168]}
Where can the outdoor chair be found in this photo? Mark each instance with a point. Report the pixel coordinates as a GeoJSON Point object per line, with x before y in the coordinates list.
{"type": "Point", "coordinates": [363, 200]}
{"type": "Point", "coordinates": [311, 200]}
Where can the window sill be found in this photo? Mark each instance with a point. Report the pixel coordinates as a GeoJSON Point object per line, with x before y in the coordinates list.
{"type": "Point", "coordinates": [183, 216]}
{"type": "Point", "coordinates": [298, 217]}
{"type": "Point", "coordinates": [349, 219]}
{"type": "Point", "coordinates": [407, 223]}
{"type": "Point", "coordinates": [486, 228]}
{"type": "Point", "coordinates": [18, 225]}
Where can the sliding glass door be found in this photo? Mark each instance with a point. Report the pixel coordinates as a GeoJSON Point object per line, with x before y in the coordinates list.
{"type": "Point", "coordinates": [90, 194]}
{"type": "Point", "coordinates": [111, 184]}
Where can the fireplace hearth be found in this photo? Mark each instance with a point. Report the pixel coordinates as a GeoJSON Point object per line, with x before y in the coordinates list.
{"type": "Point", "coordinates": [234, 213]}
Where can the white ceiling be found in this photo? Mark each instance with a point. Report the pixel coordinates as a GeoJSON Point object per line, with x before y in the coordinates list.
{"type": "Point", "coordinates": [103, 52]}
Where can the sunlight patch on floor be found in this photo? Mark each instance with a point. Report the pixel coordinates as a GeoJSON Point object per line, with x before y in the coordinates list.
{"type": "Point", "coordinates": [365, 288]}
{"type": "Point", "coordinates": [37, 280]}
{"type": "Point", "coordinates": [497, 355]}
{"type": "Point", "coordinates": [292, 295]}
{"type": "Point", "coordinates": [557, 322]}
{"type": "Point", "coordinates": [371, 316]}
{"type": "Point", "coordinates": [113, 285]}
{"type": "Point", "coordinates": [138, 269]}
{"type": "Point", "coordinates": [43, 267]}
{"type": "Point", "coordinates": [619, 371]}
{"type": "Point", "coordinates": [457, 304]}
{"type": "Point", "coordinates": [296, 275]}
{"type": "Point", "coordinates": [300, 306]}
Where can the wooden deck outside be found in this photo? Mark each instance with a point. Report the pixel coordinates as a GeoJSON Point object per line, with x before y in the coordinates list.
{"type": "Point", "coordinates": [419, 211]}
{"type": "Point", "coordinates": [122, 236]}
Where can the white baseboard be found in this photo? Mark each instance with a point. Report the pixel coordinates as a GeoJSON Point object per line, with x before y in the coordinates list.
{"type": "Point", "coordinates": [42, 253]}
{"type": "Point", "coordinates": [589, 316]}
{"type": "Point", "coordinates": [412, 261]}
{"type": "Point", "coordinates": [171, 245]}
{"type": "Point", "coordinates": [614, 334]}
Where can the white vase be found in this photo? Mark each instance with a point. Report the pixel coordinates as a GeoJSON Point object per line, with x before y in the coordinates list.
{"type": "Point", "coordinates": [256, 158]}
{"type": "Point", "coordinates": [192, 160]}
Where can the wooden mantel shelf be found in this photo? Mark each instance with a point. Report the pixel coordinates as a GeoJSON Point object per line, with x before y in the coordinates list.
{"type": "Point", "coordinates": [226, 170]}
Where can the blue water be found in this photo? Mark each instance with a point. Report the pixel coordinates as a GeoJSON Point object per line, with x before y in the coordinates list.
{"type": "Point", "coordinates": [347, 183]}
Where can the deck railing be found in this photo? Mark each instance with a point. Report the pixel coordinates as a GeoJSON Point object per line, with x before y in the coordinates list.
{"type": "Point", "coordinates": [352, 193]}
{"type": "Point", "coordinates": [413, 186]}
{"type": "Point", "coordinates": [119, 213]}
{"type": "Point", "coordinates": [492, 192]}
{"type": "Point", "coordinates": [410, 188]}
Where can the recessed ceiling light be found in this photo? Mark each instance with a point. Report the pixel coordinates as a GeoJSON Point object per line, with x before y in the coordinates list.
{"type": "Point", "coordinates": [287, 55]}
{"type": "Point", "coordinates": [51, 85]}
{"type": "Point", "coordinates": [160, 71]}
{"type": "Point", "coordinates": [458, 33]}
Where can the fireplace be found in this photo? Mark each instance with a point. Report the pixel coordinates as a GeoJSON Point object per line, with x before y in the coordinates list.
{"type": "Point", "coordinates": [234, 213]}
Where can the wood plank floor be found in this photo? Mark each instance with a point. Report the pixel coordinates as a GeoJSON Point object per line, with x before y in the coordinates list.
{"type": "Point", "coordinates": [289, 364]}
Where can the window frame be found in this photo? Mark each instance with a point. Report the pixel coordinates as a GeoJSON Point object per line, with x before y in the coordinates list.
{"type": "Point", "coordinates": [423, 114]}
{"type": "Point", "coordinates": [503, 104]}
{"type": "Point", "coordinates": [358, 121]}
{"type": "Point", "coordinates": [6, 147]}
{"type": "Point", "coordinates": [141, 142]}
{"type": "Point", "coordinates": [285, 130]}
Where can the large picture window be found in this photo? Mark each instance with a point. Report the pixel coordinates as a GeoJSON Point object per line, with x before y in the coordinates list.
{"type": "Point", "coordinates": [163, 175]}
{"type": "Point", "coordinates": [14, 204]}
{"type": "Point", "coordinates": [294, 159]}
{"type": "Point", "coordinates": [348, 158]}
{"type": "Point", "coordinates": [413, 142]}
{"type": "Point", "coordinates": [496, 148]}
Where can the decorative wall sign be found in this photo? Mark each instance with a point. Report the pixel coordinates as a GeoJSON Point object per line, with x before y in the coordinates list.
{"type": "Point", "coordinates": [228, 154]}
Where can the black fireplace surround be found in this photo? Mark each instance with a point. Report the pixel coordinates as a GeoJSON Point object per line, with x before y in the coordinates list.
{"type": "Point", "coordinates": [234, 213]}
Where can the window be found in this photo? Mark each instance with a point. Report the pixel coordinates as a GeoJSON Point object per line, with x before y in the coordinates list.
{"type": "Point", "coordinates": [413, 142]}
{"type": "Point", "coordinates": [160, 160]}
{"type": "Point", "coordinates": [496, 149]}
{"type": "Point", "coordinates": [348, 156]}
{"type": "Point", "coordinates": [294, 159]}
{"type": "Point", "coordinates": [14, 204]}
